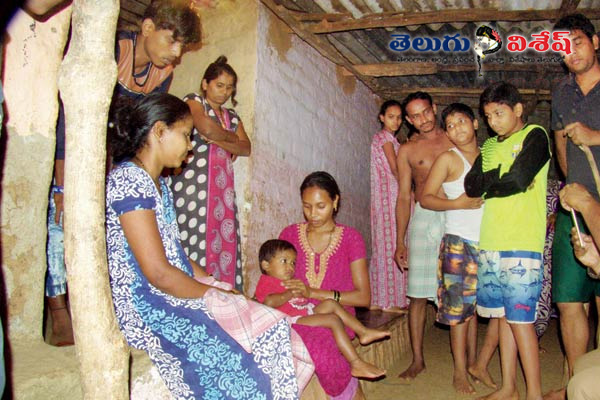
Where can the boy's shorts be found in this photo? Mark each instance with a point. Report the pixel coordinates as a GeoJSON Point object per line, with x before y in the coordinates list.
{"type": "Point", "coordinates": [457, 277]}
{"type": "Point", "coordinates": [509, 285]}
{"type": "Point", "coordinates": [570, 281]}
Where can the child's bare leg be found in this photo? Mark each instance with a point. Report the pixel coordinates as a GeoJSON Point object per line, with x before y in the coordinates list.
{"type": "Point", "coordinates": [458, 345]}
{"type": "Point", "coordinates": [472, 340]}
{"type": "Point", "coordinates": [526, 340]}
{"type": "Point", "coordinates": [508, 359]}
{"type": "Point", "coordinates": [358, 367]}
{"type": "Point", "coordinates": [365, 335]}
{"type": "Point", "coordinates": [479, 370]}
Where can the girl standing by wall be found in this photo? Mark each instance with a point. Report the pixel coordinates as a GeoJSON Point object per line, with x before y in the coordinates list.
{"type": "Point", "coordinates": [388, 283]}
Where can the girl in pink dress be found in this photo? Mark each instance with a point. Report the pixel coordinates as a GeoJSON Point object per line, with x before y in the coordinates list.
{"type": "Point", "coordinates": [331, 263]}
{"type": "Point", "coordinates": [388, 283]}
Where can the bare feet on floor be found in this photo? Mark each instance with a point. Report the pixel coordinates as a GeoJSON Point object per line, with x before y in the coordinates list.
{"type": "Point", "coordinates": [412, 371]}
{"type": "Point", "coordinates": [362, 369]}
{"type": "Point", "coordinates": [371, 335]}
{"type": "Point", "coordinates": [483, 376]}
{"type": "Point", "coordinates": [462, 385]}
{"type": "Point", "coordinates": [558, 394]}
{"type": "Point", "coordinates": [502, 394]}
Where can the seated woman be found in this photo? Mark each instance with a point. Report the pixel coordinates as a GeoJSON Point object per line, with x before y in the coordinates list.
{"type": "Point", "coordinates": [331, 264]}
{"type": "Point", "coordinates": [159, 305]}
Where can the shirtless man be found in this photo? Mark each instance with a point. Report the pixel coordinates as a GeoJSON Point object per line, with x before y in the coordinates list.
{"type": "Point", "coordinates": [415, 159]}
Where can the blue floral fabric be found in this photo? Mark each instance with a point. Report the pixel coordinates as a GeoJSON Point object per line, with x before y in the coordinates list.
{"type": "Point", "coordinates": [195, 357]}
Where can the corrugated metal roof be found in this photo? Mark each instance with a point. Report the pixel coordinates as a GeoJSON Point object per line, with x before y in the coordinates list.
{"type": "Point", "coordinates": [332, 24]}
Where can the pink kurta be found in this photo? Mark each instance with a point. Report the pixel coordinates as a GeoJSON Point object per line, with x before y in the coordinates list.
{"type": "Point", "coordinates": [329, 270]}
{"type": "Point", "coordinates": [388, 283]}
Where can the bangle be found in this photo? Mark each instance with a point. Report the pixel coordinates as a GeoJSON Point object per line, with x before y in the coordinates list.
{"type": "Point", "coordinates": [336, 295]}
{"type": "Point", "coordinates": [58, 189]}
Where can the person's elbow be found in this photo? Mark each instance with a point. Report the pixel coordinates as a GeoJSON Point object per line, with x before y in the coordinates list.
{"type": "Point", "coordinates": [160, 278]}
{"type": "Point", "coordinates": [472, 189]}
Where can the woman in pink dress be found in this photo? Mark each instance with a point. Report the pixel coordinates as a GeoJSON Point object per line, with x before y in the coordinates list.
{"type": "Point", "coordinates": [331, 264]}
{"type": "Point", "coordinates": [388, 283]}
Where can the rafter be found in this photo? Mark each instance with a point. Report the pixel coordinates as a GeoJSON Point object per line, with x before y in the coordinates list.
{"type": "Point", "coordinates": [431, 68]}
{"type": "Point", "coordinates": [344, 22]}
{"type": "Point", "coordinates": [460, 91]}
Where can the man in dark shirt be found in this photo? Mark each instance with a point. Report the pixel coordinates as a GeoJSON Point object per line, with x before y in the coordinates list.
{"type": "Point", "coordinates": [575, 121]}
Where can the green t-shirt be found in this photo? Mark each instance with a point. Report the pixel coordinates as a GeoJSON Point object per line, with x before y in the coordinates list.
{"type": "Point", "coordinates": [518, 221]}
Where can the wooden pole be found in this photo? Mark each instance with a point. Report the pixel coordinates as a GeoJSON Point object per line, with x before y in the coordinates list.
{"type": "Point", "coordinates": [86, 84]}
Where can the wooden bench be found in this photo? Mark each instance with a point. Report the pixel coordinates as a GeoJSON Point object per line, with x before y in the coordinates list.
{"type": "Point", "coordinates": [384, 353]}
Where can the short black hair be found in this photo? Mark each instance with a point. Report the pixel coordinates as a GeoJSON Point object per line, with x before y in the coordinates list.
{"type": "Point", "coordinates": [415, 96]}
{"type": "Point", "coordinates": [270, 248]}
{"type": "Point", "coordinates": [455, 108]}
{"type": "Point", "coordinates": [576, 22]}
{"type": "Point", "coordinates": [500, 92]}
{"type": "Point", "coordinates": [176, 16]}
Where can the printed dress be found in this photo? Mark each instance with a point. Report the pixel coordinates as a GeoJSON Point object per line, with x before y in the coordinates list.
{"type": "Point", "coordinates": [388, 283]}
{"type": "Point", "coordinates": [205, 204]}
{"type": "Point", "coordinates": [329, 270]}
{"type": "Point", "coordinates": [195, 357]}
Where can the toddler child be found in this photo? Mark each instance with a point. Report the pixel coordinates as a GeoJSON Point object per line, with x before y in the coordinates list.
{"type": "Point", "coordinates": [277, 260]}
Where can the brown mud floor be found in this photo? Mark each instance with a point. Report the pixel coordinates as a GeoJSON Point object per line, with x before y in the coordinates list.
{"type": "Point", "coordinates": [436, 382]}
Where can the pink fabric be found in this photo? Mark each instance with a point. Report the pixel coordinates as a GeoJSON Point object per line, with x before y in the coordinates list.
{"type": "Point", "coordinates": [244, 320]}
{"type": "Point", "coordinates": [294, 307]}
{"type": "Point", "coordinates": [221, 238]}
{"type": "Point", "coordinates": [388, 283]}
{"type": "Point", "coordinates": [331, 367]}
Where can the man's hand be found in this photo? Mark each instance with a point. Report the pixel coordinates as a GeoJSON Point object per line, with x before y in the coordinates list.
{"type": "Point", "coordinates": [401, 257]}
{"type": "Point", "coordinates": [574, 196]}
{"type": "Point", "coordinates": [588, 253]}
{"type": "Point", "coordinates": [581, 134]}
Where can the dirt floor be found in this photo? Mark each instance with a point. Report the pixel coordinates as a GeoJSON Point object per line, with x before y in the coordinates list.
{"type": "Point", "coordinates": [436, 382]}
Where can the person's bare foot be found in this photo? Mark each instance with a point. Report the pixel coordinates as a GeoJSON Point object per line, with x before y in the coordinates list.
{"type": "Point", "coordinates": [362, 369]}
{"type": "Point", "coordinates": [483, 376]}
{"type": "Point", "coordinates": [396, 310]}
{"type": "Point", "coordinates": [502, 394]}
{"type": "Point", "coordinates": [412, 371]}
{"type": "Point", "coordinates": [371, 335]}
{"type": "Point", "coordinates": [462, 385]}
{"type": "Point", "coordinates": [558, 394]}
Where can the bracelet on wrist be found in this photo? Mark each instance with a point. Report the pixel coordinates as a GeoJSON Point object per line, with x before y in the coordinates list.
{"type": "Point", "coordinates": [336, 296]}
{"type": "Point", "coordinates": [58, 189]}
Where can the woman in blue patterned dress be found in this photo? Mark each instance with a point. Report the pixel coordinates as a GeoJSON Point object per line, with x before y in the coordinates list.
{"type": "Point", "coordinates": [159, 305]}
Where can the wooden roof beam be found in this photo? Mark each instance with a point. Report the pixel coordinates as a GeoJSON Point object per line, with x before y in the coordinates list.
{"type": "Point", "coordinates": [541, 94]}
{"type": "Point", "coordinates": [431, 68]}
{"type": "Point", "coordinates": [334, 23]}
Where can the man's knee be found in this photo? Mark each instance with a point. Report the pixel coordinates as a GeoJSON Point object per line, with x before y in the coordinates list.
{"type": "Point", "coordinates": [570, 309]}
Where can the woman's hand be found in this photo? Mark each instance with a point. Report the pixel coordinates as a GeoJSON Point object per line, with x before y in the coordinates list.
{"type": "Point", "coordinates": [299, 288]}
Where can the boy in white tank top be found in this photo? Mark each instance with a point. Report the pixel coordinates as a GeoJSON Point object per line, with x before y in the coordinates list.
{"type": "Point", "coordinates": [457, 265]}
